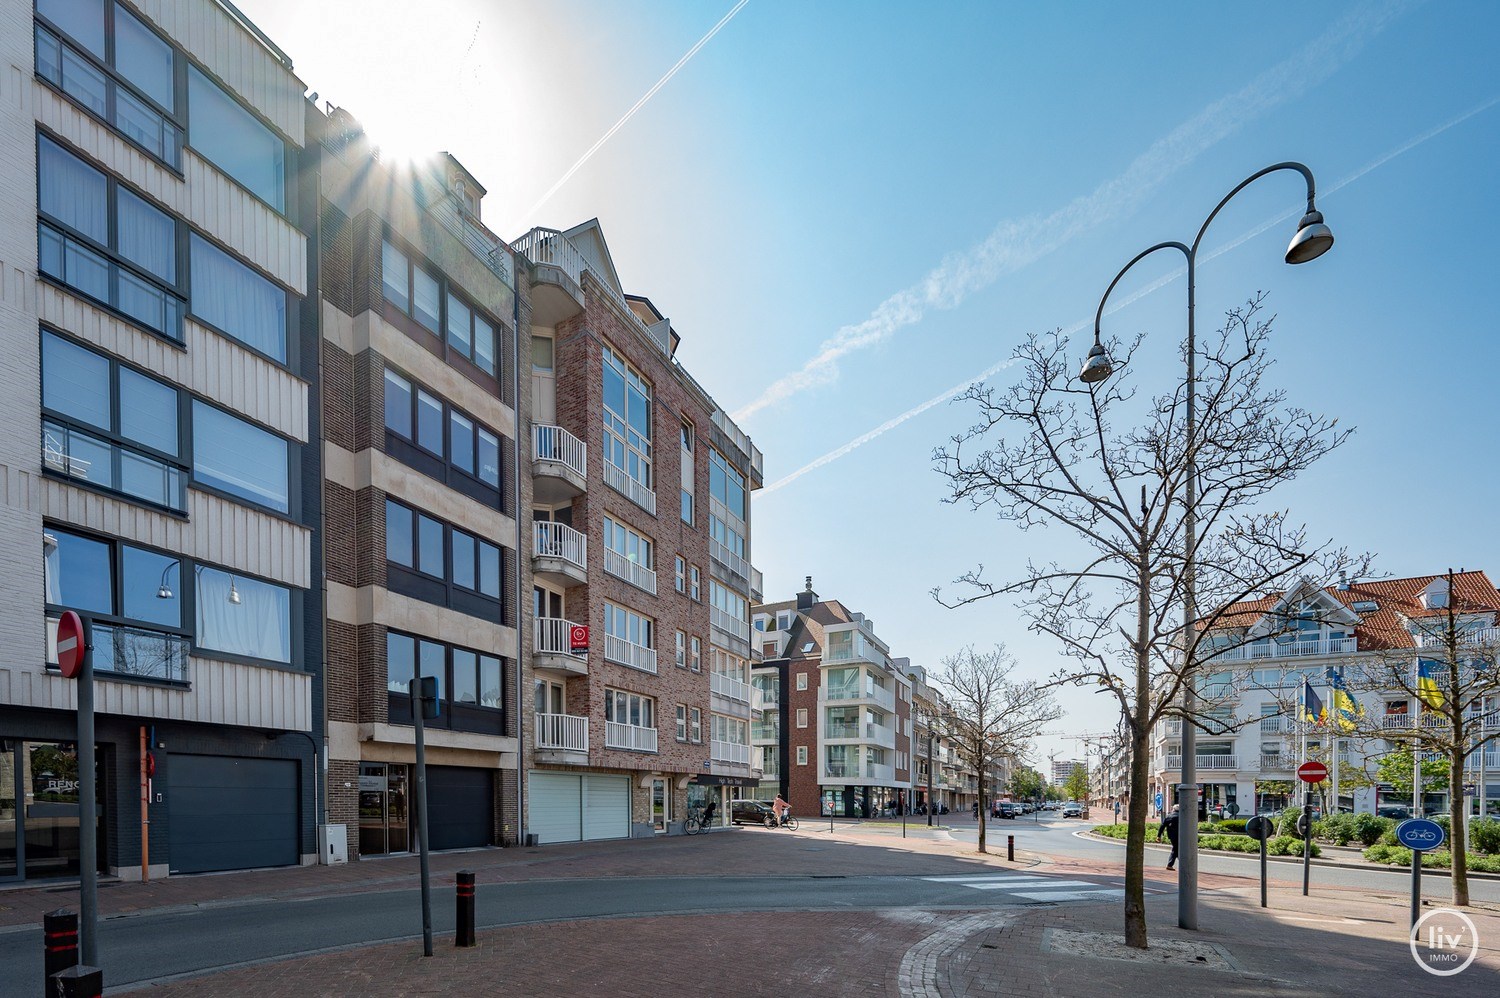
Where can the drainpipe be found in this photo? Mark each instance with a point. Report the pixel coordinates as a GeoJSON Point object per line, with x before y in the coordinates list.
{"type": "Point", "coordinates": [515, 380]}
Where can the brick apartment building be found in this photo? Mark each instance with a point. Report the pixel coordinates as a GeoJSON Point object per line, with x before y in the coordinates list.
{"type": "Point", "coordinates": [835, 715]}
{"type": "Point", "coordinates": [640, 533]}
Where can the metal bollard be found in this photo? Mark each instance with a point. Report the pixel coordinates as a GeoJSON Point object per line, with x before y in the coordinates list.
{"type": "Point", "coordinates": [77, 982]}
{"type": "Point", "coordinates": [60, 944]}
{"type": "Point", "coordinates": [465, 918]}
{"type": "Point", "coordinates": [1010, 848]}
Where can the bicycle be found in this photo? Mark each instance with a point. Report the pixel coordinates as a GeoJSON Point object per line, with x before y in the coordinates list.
{"type": "Point", "coordinates": [695, 823]}
{"type": "Point", "coordinates": [788, 822]}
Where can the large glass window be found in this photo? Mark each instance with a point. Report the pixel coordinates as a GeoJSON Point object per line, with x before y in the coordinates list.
{"type": "Point", "coordinates": [726, 484]}
{"type": "Point", "coordinates": [628, 625]}
{"type": "Point", "coordinates": [476, 678]}
{"type": "Point", "coordinates": [627, 419]}
{"type": "Point", "coordinates": [424, 296]}
{"type": "Point", "coordinates": [234, 140]}
{"type": "Point", "coordinates": [234, 299]}
{"type": "Point", "coordinates": [114, 581]}
{"type": "Point", "coordinates": [233, 456]}
{"type": "Point", "coordinates": [241, 616]}
{"type": "Point", "coordinates": [79, 573]}
{"type": "Point", "coordinates": [82, 20]}
{"type": "Point", "coordinates": [143, 58]}
{"type": "Point", "coordinates": [621, 707]}
{"type": "Point", "coordinates": [418, 417]}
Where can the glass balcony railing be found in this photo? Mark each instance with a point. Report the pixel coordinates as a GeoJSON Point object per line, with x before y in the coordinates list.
{"type": "Point", "coordinates": [132, 651]}
{"type": "Point", "coordinates": [112, 466]}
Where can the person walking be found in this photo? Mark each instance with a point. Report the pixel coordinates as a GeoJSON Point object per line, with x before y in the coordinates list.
{"type": "Point", "coordinates": [1169, 829]}
{"type": "Point", "coordinates": [1117, 810]}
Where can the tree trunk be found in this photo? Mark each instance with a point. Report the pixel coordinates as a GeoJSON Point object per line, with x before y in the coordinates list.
{"type": "Point", "coordinates": [1135, 838]}
{"type": "Point", "coordinates": [1458, 847]}
{"type": "Point", "coordinates": [980, 811]}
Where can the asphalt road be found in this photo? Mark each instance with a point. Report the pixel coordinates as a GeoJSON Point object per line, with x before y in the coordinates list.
{"type": "Point", "coordinates": [138, 948]}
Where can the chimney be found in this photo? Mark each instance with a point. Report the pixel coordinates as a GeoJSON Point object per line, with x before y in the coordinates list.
{"type": "Point", "coordinates": [806, 598]}
{"type": "Point", "coordinates": [1343, 581]}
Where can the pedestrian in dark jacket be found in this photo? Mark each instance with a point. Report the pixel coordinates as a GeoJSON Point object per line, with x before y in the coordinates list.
{"type": "Point", "coordinates": [1169, 830]}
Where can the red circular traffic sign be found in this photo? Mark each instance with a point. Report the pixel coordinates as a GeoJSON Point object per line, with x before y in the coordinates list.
{"type": "Point", "coordinates": [71, 646]}
{"type": "Point", "coordinates": [1312, 772]}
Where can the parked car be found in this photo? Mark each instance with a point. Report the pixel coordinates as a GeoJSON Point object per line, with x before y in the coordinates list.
{"type": "Point", "coordinates": [1399, 813]}
{"type": "Point", "coordinates": [1072, 809]}
{"type": "Point", "coordinates": [751, 812]}
{"type": "Point", "coordinates": [1005, 809]}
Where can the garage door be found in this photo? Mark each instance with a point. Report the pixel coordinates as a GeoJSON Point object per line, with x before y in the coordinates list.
{"type": "Point", "coordinates": [230, 814]}
{"type": "Point", "coordinates": [606, 807]}
{"type": "Point", "coordinates": [555, 807]}
{"type": "Point", "coordinates": [460, 807]}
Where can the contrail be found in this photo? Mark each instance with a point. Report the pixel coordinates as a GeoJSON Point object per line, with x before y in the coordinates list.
{"type": "Point", "coordinates": [1155, 285]}
{"type": "Point", "coordinates": [633, 109]}
{"type": "Point", "coordinates": [1014, 244]}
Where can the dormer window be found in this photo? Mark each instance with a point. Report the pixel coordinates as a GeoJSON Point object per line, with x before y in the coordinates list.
{"type": "Point", "coordinates": [1435, 596]}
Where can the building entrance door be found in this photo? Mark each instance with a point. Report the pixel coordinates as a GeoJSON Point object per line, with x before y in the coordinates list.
{"type": "Point", "coordinates": [661, 806]}
{"type": "Point", "coordinates": [383, 814]}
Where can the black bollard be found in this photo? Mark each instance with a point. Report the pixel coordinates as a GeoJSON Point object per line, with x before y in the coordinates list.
{"type": "Point", "coordinates": [1010, 848]}
{"type": "Point", "coordinates": [77, 982]}
{"type": "Point", "coordinates": [465, 919]}
{"type": "Point", "coordinates": [60, 942]}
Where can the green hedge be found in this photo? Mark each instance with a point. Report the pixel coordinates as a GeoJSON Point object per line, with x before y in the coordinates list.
{"type": "Point", "coordinates": [1342, 829]}
{"type": "Point", "coordinates": [1281, 845]}
{"type": "Point", "coordinates": [1396, 855]}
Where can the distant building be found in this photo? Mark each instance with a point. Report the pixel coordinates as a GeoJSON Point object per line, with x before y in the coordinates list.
{"type": "Point", "coordinates": [1062, 769]}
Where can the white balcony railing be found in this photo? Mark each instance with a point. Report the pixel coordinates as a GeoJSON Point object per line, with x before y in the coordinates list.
{"type": "Point", "coordinates": [558, 540]}
{"type": "Point", "coordinates": [552, 636]}
{"type": "Point", "coordinates": [1478, 636]}
{"type": "Point", "coordinates": [878, 695]}
{"type": "Point", "coordinates": [562, 732]}
{"type": "Point", "coordinates": [1215, 762]}
{"type": "Point", "coordinates": [633, 572]}
{"type": "Point", "coordinates": [627, 653]}
{"type": "Point", "coordinates": [728, 686]}
{"type": "Point", "coordinates": [1398, 722]}
{"type": "Point", "coordinates": [757, 584]}
{"type": "Point", "coordinates": [730, 752]}
{"type": "Point", "coordinates": [764, 699]}
{"type": "Point", "coordinates": [553, 443]}
{"type": "Point", "coordinates": [637, 492]}
{"type": "Point", "coordinates": [739, 566]}
{"type": "Point", "coordinates": [730, 624]}
{"type": "Point", "coordinates": [1270, 725]}
{"type": "Point", "coordinates": [1271, 648]}
{"type": "Point", "coordinates": [548, 247]}
{"type": "Point", "coordinates": [1275, 763]}
{"type": "Point", "coordinates": [629, 736]}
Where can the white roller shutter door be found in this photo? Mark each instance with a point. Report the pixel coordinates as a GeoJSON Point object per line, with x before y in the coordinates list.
{"type": "Point", "coordinates": [606, 807]}
{"type": "Point", "coordinates": [556, 807]}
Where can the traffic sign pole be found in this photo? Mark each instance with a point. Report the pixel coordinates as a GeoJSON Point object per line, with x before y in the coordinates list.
{"type": "Point", "coordinates": [1309, 773]}
{"type": "Point", "coordinates": [75, 660]}
{"type": "Point", "coordinates": [1419, 835]}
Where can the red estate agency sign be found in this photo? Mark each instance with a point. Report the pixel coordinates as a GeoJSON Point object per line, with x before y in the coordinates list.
{"type": "Point", "coordinates": [1312, 772]}
{"type": "Point", "coordinates": [71, 646]}
{"type": "Point", "coordinates": [578, 639]}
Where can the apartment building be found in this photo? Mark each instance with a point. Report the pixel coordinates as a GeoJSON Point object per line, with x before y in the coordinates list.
{"type": "Point", "coordinates": [640, 697]}
{"type": "Point", "coordinates": [1273, 645]}
{"type": "Point", "coordinates": [842, 706]}
{"type": "Point", "coordinates": [1062, 769]}
{"type": "Point", "coordinates": [162, 476]}
{"type": "Point", "coordinates": [954, 781]}
{"type": "Point", "coordinates": [422, 321]}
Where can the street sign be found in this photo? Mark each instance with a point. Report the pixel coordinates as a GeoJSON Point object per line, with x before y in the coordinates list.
{"type": "Point", "coordinates": [578, 639]}
{"type": "Point", "coordinates": [72, 644]}
{"type": "Point", "coordinates": [1260, 827]}
{"type": "Point", "coordinates": [1420, 834]}
{"type": "Point", "coordinates": [424, 689]}
{"type": "Point", "coordinates": [1234, 809]}
{"type": "Point", "coordinates": [1158, 801]}
{"type": "Point", "coordinates": [1312, 772]}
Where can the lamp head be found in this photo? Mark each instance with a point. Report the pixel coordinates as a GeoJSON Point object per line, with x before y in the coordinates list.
{"type": "Point", "coordinates": [163, 593]}
{"type": "Point", "coordinates": [1312, 240]}
{"type": "Point", "coordinates": [234, 594]}
{"type": "Point", "coordinates": [1097, 366]}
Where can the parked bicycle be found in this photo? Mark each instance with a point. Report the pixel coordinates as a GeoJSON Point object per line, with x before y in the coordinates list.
{"type": "Point", "coordinates": [699, 820]}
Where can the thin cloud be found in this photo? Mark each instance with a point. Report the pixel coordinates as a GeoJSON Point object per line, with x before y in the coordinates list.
{"type": "Point", "coordinates": [667, 76]}
{"type": "Point", "coordinates": [1016, 243]}
{"type": "Point", "coordinates": [1156, 285]}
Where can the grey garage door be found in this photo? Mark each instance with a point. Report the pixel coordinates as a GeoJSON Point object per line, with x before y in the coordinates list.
{"type": "Point", "coordinates": [460, 805]}
{"type": "Point", "coordinates": [556, 807]}
{"type": "Point", "coordinates": [230, 814]}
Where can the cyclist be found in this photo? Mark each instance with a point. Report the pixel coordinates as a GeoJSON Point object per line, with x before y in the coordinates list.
{"type": "Point", "coordinates": [780, 808]}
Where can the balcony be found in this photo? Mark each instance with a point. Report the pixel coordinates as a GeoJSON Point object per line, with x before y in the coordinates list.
{"type": "Point", "coordinates": [841, 729]}
{"type": "Point", "coordinates": [729, 687]}
{"type": "Point", "coordinates": [880, 734]}
{"type": "Point", "coordinates": [1270, 725]}
{"type": "Point", "coordinates": [637, 492]}
{"type": "Point", "coordinates": [879, 696]}
{"type": "Point", "coordinates": [557, 275]}
{"type": "Point", "coordinates": [559, 464]}
{"type": "Point", "coordinates": [626, 653]}
{"type": "Point", "coordinates": [87, 458]}
{"type": "Point", "coordinates": [1275, 763]}
{"type": "Point", "coordinates": [562, 738]}
{"type": "Point", "coordinates": [732, 753]}
{"type": "Point", "coordinates": [121, 651]}
{"type": "Point", "coordinates": [857, 649]}
{"type": "Point", "coordinates": [736, 565]}
{"type": "Point", "coordinates": [622, 567]}
{"type": "Point", "coordinates": [554, 648]}
{"type": "Point", "coordinates": [1259, 650]}
{"type": "Point", "coordinates": [559, 553]}
{"type": "Point", "coordinates": [764, 699]}
{"type": "Point", "coordinates": [1479, 636]}
{"type": "Point", "coordinates": [1403, 722]}
{"type": "Point", "coordinates": [631, 737]}
{"type": "Point", "coordinates": [740, 440]}
{"type": "Point", "coordinates": [727, 622]}
{"type": "Point", "coordinates": [757, 586]}
{"type": "Point", "coordinates": [765, 731]}
{"type": "Point", "coordinates": [1217, 763]}
{"type": "Point", "coordinates": [880, 772]}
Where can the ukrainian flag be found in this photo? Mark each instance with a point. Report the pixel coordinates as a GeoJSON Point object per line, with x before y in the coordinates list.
{"type": "Point", "coordinates": [1427, 687]}
{"type": "Point", "coordinates": [1347, 711]}
{"type": "Point", "coordinates": [1313, 710]}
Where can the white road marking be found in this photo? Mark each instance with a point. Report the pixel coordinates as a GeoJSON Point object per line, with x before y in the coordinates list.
{"type": "Point", "coordinates": [1093, 895]}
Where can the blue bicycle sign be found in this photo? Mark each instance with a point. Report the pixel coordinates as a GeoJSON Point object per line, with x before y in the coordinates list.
{"type": "Point", "coordinates": [1420, 833]}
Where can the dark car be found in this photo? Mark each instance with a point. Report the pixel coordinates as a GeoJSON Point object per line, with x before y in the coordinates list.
{"type": "Point", "coordinates": [751, 812]}
{"type": "Point", "coordinates": [1005, 809]}
{"type": "Point", "coordinates": [1399, 813]}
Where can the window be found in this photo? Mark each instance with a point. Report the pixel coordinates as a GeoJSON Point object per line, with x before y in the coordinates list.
{"type": "Point", "coordinates": [131, 89]}
{"type": "Point", "coordinates": [627, 625]}
{"type": "Point", "coordinates": [695, 724]}
{"type": "Point", "coordinates": [417, 417]}
{"type": "Point", "coordinates": [621, 707]}
{"type": "Point", "coordinates": [681, 650]}
{"type": "Point", "coordinates": [726, 484]}
{"type": "Point", "coordinates": [439, 308]}
{"type": "Point", "coordinates": [470, 334]}
{"type": "Point", "coordinates": [102, 240]}
{"type": "Point", "coordinates": [418, 542]}
{"type": "Point", "coordinates": [628, 555]}
{"type": "Point", "coordinates": [687, 472]}
{"type": "Point", "coordinates": [682, 723]}
{"type": "Point", "coordinates": [233, 139]}
{"type": "Point", "coordinates": [695, 658]}
{"type": "Point", "coordinates": [135, 449]}
{"type": "Point", "coordinates": [681, 576]}
{"type": "Point", "coordinates": [801, 680]}
{"type": "Point", "coordinates": [541, 353]}
{"type": "Point", "coordinates": [801, 717]}
{"type": "Point", "coordinates": [728, 601]}
{"type": "Point", "coordinates": [242, 460]}
{"type": "Point", "coordinates": [695, 590]}
{"type": "Point", "coordinates": [243, 616]}
{"type": "Point", "coordinates": [802, 755]}
{"type": "Point", "coordinates": [627, 421]}
{"type": "Point", "coordinates": [236, 300]}
{"type": "Point", "coordinates": [466, 678]}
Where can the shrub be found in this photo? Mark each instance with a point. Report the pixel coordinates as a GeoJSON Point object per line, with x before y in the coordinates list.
{"type": "Point", "coordinates": [1233, 826]}
{"type": "Point", "coordinates": [1368, 828]}
{"type": "Point", "coordinates": [1287, 823]}
{"type": "Point", "coordinates": [1289, 845]}
{"type": "Point", "coordinates": [1484, 835]}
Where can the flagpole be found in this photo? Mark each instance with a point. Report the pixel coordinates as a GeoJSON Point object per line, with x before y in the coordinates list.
{"type": "Point", "coordinates": [1417, 810]}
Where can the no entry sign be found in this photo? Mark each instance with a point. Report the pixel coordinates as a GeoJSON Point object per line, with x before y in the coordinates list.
{"type": "Point", "coordinates": [1312, 772]}
{"type": "Point", "coordinates": [72, 644]}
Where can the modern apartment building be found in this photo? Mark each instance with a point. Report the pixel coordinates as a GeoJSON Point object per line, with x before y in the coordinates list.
{"type": "Point", "coordinates": [640, 697]}
{"type": "Point", "coordinates": [162, 476]}
{"type": "Point", "coordinates": [843, 708]}
{"type": "Point", "coordinates": [421, 334]}
{"type": "Point", "coordinates": [1278, 642]}
{"type": "Point", "coordinates": [1062, 769]}
{"type": "Point", "coordinates": [954, 782]}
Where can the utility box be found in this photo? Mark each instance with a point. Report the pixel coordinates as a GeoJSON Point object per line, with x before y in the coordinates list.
{"type": "Point", "coordinates": [333, 844]}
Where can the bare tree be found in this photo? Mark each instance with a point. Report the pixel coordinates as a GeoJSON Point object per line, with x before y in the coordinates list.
{"type": "Point", "coordinates": [989, 715]}
{"type": "Point", "coordinates": [1109, 467]}
{"type": "Point", "coordinates": [1448, 687]}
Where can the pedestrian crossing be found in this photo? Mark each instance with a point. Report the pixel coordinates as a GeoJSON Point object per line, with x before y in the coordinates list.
{"type": "Point", "coordinates": [1037, 888]}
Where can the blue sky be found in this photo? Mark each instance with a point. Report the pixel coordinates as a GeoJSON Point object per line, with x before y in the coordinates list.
{"type": "Point", "coordinates": [911, 189]}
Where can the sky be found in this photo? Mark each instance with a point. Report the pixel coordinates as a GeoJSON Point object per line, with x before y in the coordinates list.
{"type": "Point", "coordinates": [852, 211]}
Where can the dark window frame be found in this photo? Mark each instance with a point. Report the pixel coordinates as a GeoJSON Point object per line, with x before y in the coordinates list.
{"type": "Point", "coordinates": [445, 591]}
{"type": "Point", "coordinates": [293, 512]}
{"type": "Point", "coordinates": [452, 715]}
{"type": "Point", "coordinates": [437, 340]}
{"type": "Point", "coordinates": [440, 467]}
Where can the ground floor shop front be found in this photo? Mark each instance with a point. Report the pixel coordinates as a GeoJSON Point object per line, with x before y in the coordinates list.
{"type": "Point", "coordinates": [578, 805]}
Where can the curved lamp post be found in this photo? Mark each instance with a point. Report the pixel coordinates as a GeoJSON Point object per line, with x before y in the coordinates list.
{"type": "Point", "coordinates": [1312, 240]}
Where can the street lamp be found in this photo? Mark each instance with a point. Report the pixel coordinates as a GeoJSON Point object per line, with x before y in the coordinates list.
{"type": "Point", "coordinates": [164, 591]}
{"type": "Point", "coordinates": [1312, 239]}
